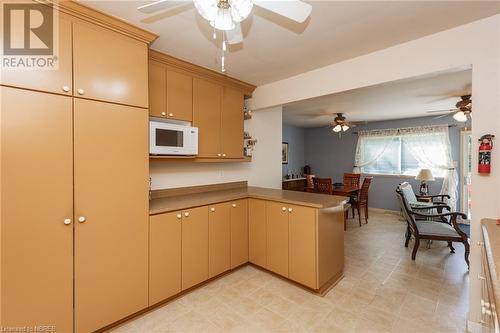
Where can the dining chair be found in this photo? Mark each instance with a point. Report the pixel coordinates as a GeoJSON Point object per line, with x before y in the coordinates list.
{"type": "Point", "coordinates": [351, 179]}
{"type": "Point", "coordinates": [361, 201]}
{"type": "Point", "coordinates": [323, 185]}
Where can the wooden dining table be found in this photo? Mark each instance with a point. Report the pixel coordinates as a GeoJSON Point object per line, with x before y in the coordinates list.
{"type": "Point", "coordinates": [345, 191]}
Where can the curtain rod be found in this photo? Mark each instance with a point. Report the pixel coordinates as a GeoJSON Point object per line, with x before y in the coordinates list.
{"type": "Point", "coordinates": [449, 126]}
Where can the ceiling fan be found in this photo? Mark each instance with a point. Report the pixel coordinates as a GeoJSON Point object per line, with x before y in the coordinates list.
{"type": "Point", "coordinates": [340, 124]}
{"type": "Point", "coordinates": [462, 112]}
{"type": "Point", "coordinates": [226, 15]}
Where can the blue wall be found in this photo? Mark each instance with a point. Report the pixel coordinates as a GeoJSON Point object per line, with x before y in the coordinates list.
{"type": "Point", "coordinates": [331, 156]}
{"type": "Point", "coordinates": [296, 157]}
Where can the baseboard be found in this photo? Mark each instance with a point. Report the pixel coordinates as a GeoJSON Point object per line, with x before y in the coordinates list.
{"type": "Point", "coordinates": [383, 211]}
{"type": "Point", "coordinates": [474, 327]}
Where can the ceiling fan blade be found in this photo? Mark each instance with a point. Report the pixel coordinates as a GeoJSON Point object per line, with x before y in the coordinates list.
{"type": "Point", "coordinates": [234, 36]}
{"type": "Point", "coordinates": [158, 5]}
{"type": "Point", "coordinates": [295, 10]}
{"type": "Point", "coordinates": [446, 110]}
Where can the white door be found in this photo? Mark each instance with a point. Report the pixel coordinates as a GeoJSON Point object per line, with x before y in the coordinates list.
{"type": "Point", "coordinates": [465, 172]}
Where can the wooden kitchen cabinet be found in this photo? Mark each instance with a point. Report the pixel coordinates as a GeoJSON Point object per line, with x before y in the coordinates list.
{"type": "Point", "coordinates": [157, 89]}
{"type": "Point", "coordinates": [257, 233]}
{"type": "Point", "coordinates": [109, 66]}
{"type": "Point", "coordinates": [232, 123]}
{"type": "Point", "coordinates": [194, 246]}
{"type": "Point", "coordinates": [219, 239]}
{"type": "Point", "coordinates": [111, 205]}
{"type": "Point", "coordinates": [207, 99]}
{"type": "Point", "coordinates": [277, 237]}
{"type": "Point", "coordinates": [36, 201]}
{"type": "Point", "coordinates": [170, 92]}
{"type": "Point", "coordinates": [179, 95]}
{"type": "Point", "coordinates": [302, 245]}
{"type": "Point", "coordinates": [58, 81]}
{"type": "Point", "coordinates": [165, 234]}
{"type": "Point", "coordinates": [239, 233]}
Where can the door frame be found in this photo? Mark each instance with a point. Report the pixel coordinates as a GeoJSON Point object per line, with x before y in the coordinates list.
{"type": "Point", "coordinates": [463, 133]}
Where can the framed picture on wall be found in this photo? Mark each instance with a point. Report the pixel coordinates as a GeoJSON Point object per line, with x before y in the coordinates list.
{"type": "Point", "coordinates": [284, 153]}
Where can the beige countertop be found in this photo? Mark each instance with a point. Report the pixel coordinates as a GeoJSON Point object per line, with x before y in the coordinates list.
{"type": "Point", "coordinates": [175, 203]}
{"type": "Point", "coordinates": [491, 232]}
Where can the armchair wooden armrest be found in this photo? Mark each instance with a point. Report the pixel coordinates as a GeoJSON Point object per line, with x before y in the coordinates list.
{"type": "Point", "coordinates": [452, 219]}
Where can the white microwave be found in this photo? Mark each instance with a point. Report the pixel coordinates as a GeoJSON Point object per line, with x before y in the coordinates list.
{"type": "Point", "coordinates": [172, 139]}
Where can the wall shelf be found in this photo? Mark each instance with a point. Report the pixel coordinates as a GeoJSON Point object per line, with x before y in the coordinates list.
{"type": "Point", "coordinates": [200, 160]}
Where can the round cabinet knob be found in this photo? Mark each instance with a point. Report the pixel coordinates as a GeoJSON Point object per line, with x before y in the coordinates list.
{"type": "Point", "coordinates": [233, 205]}
{"type": "Point", "coordinates": [67, 221]}
{"type": "Point", "coordinates": [82, 219]}
{"type": "Point", "coordinates": [219, 154]}
{"type": "Point", "coordinates": [212, 209]}
{"type": "Point", "coordinates": [290, 210]}
{"type": "Point", "coordinates": [80, 91]}
{"type": "Point", "coordinates": [223, 155]}
{"type": "Point", "coordinates": [65, 88]}
{"type": "Point", "coordinates": [186, 214]}
{"type": "Point", "coordinates": [163, 114]}
{"type": "Point", "coordinates": [170, 114]}
{"type": "Point", "coordinates": [179, 216]}
{"type": "Point", "coordinates": [283, 209]}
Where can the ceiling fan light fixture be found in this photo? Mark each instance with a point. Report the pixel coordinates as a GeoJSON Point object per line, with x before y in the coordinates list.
{"type": "Point", "coordinates": [337, 128]}
{"type": "Point", "coordinates": [240, 9]}
{"type": "Point", "coordinates": [345, 128]}
{"type": "Point", "coordinates": [207, 9]}
{"type": "Point", "coordinates": [460, 116]}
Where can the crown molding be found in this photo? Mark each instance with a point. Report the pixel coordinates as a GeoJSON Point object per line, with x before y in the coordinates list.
{"type": "Point", "coordinates": [75, 9]}
{"type": "Point", "coordinates": [201, 72]}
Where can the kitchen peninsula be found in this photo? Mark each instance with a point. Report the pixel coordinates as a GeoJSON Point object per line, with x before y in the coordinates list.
{"type": "Point", "coordinates": [200, 232]}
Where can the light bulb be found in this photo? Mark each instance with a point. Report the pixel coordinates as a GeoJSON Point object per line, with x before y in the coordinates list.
{"type": "Point", "coordinates": [460, 116]}
{"type": "Point", "coordinates": [223, 20]}
{"type": "Point", "coordinates": [345, 128]}
{"type": "Point", "coordinates": [337, 128]}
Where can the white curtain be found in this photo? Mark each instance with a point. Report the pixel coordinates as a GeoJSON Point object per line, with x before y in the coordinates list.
{"type": "Point", "coordinates": [429, 146]}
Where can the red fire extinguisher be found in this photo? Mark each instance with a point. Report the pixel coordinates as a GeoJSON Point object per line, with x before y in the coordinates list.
{"type": "Point", "coordinates": [485, 148]}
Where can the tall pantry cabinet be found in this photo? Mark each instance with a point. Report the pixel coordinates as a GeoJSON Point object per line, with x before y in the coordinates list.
{"type": "Point", "coordinates": [74, 180]}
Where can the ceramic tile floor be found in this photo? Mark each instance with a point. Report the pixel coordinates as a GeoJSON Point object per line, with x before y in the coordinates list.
{"type": "Point", "coordinates": [383, 291]}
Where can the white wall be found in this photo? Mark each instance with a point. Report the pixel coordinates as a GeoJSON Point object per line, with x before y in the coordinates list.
{"type": "Point", "coordinates": [476, 44]}
{"type": "Point", "coordinates": [264, 170]}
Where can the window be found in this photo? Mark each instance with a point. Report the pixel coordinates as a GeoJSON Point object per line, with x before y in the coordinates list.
{"type": "Point", "coordinates": [395, 154]}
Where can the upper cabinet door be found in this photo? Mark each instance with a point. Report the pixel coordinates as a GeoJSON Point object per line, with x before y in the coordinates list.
{"type": "Point", "coordinates": [179, 95]}
{"type": "Point", "coordinates": [108, 66]}
{"type": "Point", "coordinates": [112, 208]}
{"type": "Point", "coordinates": [157, 89]}
{"type": "Point", "coordinates": [232, 123]}
{"type": "Point", "coordinates": [36, 201]}
{"type": "Point", "coordinates": [57, 81]}
{"type": "Point", "coordinates": [207, 99]}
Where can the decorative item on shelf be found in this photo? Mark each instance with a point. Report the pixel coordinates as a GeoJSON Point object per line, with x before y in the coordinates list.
{"type": "Point", "coordinates": [249, 144]}
{"type": "Point", "coordinates": [424, 175]}
{"type": "Point", "coordinates": [246, 135]}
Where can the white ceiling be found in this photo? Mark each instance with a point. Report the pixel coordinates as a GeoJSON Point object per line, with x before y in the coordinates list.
{"type": "Point", "coordinates": [275, 48]}
{"type": "Point", "coordinates": [395, 100]}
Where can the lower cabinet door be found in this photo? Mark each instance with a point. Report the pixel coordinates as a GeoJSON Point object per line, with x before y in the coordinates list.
{"type": "Point", "coordinates": [36, 204]}
{"type": "Point", "coordinates": [111, 175]}
{"type": "Point", "coordinates": [302, 249]}
{"type": "Point", "coordinates": [194, 246]}
{"type": "Point", "coordinates": [239, 233]}
{"type": "Point", "coordinates": [219, 239]}
{"type": "Point", "coordinates": [277, 237]}
{"type": "Point", "coordinates": [257, 242]}
{"type": "Point", "coordinates": [165, 234]}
